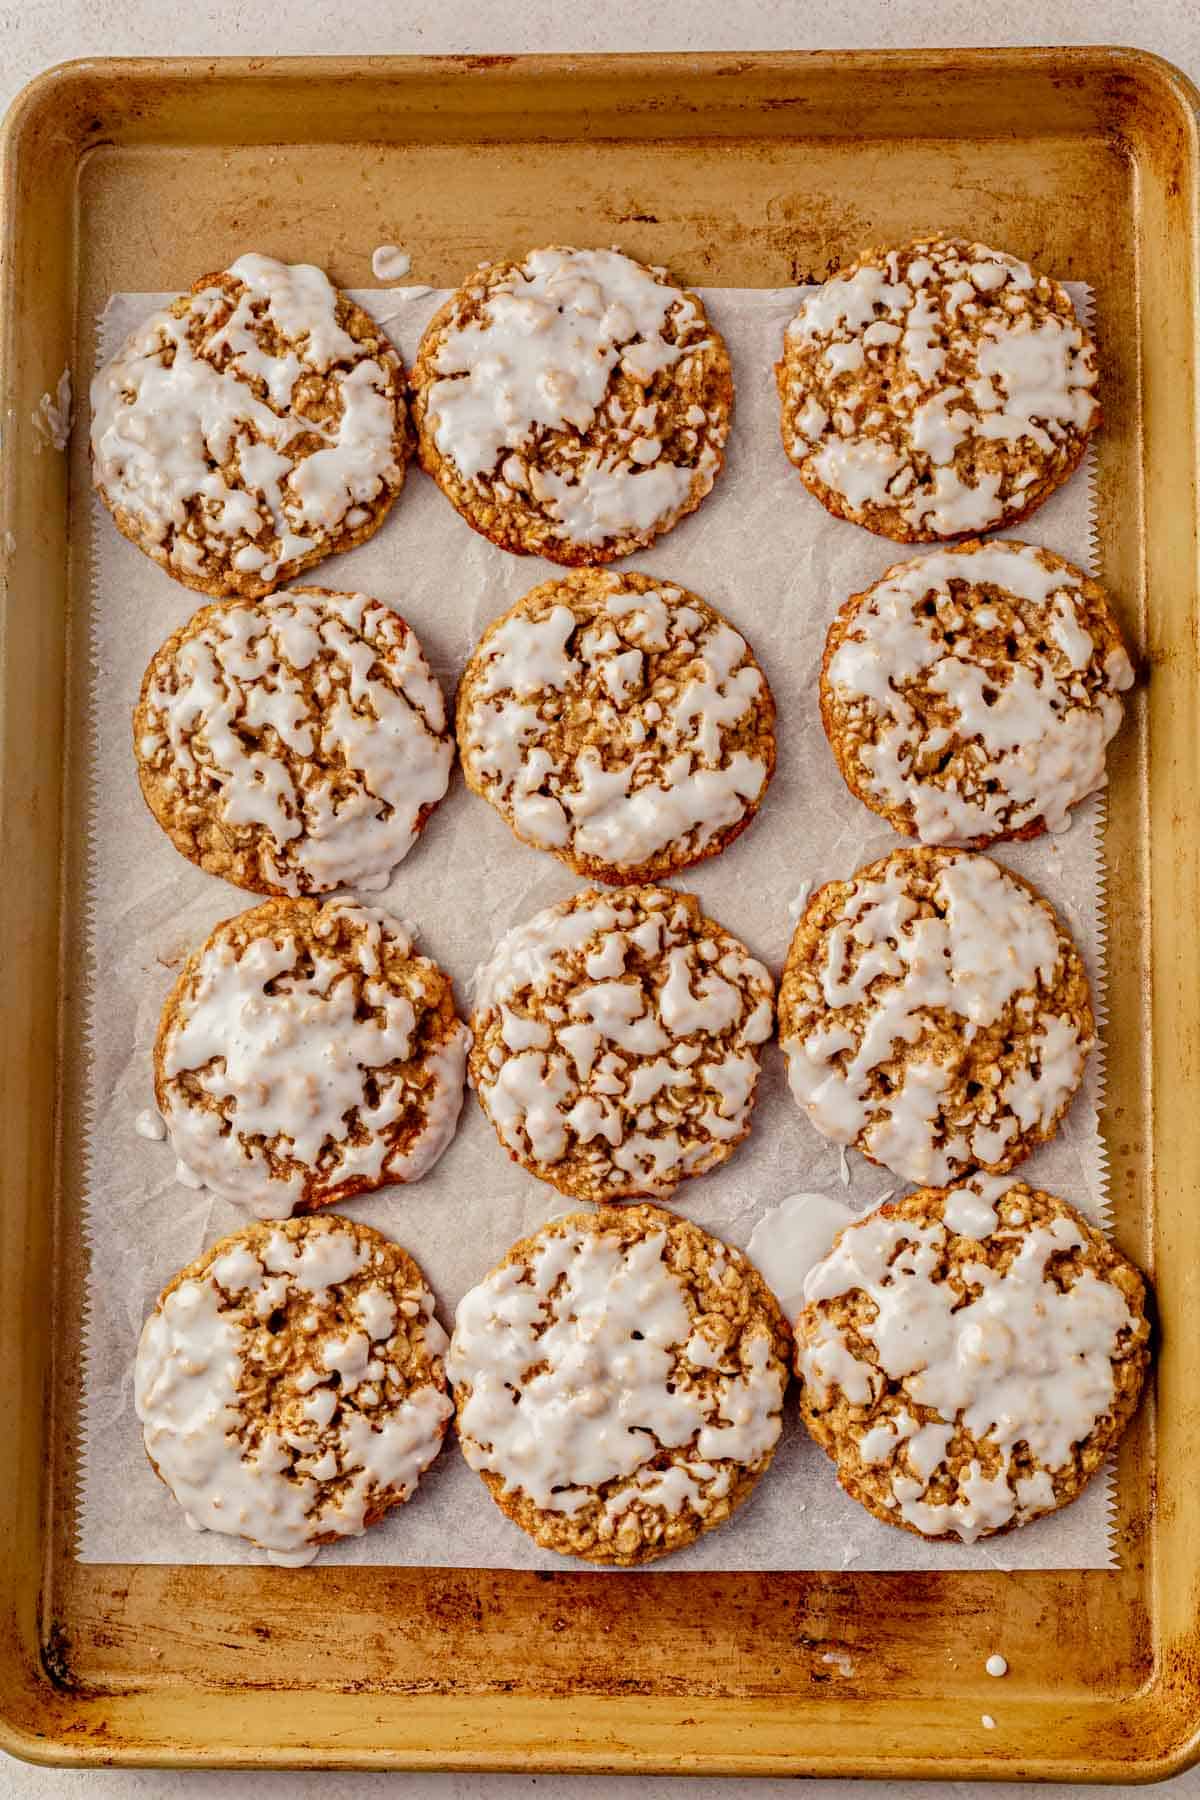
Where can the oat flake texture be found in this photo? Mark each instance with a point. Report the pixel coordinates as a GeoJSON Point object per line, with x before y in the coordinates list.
{"type": "Point", "coordinates": [290, 1384]}
{"type": "Point", "coordinates": [935, 1014]}
{"type": "Point", "coordinates": [617, 1041]}
{"type": "Point", "coordinates": [619, 722]}
{"type": "Point", "coordinates": [293, 744]}
{"type": "Point", "coordinates": [251, 428]}
{"type": "Point", "coordinates": [937, 389]}
{"type": "Point", "coordinates": [970, 1356]}
{"type": "Point", "coordinates": [574, 405]}
{"type": "Point", "coordinates": [306, 1054]}
{"type": "Point", "coordinates": [619, 1383]}
{"type": "Point", "coordinates": [970, 695]}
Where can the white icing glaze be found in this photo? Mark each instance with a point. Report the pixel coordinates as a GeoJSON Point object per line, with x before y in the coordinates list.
{"type": "Point", "coordinates": [172, 409]}
{"type": "Point", "coordinates": [968, 1214]}
{"type": "Point", "coordinates": [376, 727]}
{"type": "Point", "coordinates": [149, 1124]}
{"type": "Point", "coordinates": [390, 263]}
{"type": "Point", "coordinates": [1037, 735]}
{"type": "Point", "coordinates": [54, 414]}
{"type": "Point", "coordinates": [996, 1665]}
{"type": "Point", "coordinates": [789, 1239]}
{"type": "Point", "coordinates": [231, 1476]}
{"type": "Point", "coordinates": [799, 901]}
{"type": "Point", "coordinates": [1039, 374]}
{"type": "Point", "coordinates": [995, 943]}
{"type": "Point", "coordinates": [841, 1661]}
{"type": "Point", "coordinates": [1022, 383]}
{"type": "Point", "coordinates": [861, 472]}
{"type": "Point", "coordinates": [675, 781]}
{"type": "Point", "coordinates": [1023, 1361]}
{"type": "Point", "coordinates": [612, 1326]}
{"type": "Point", "coordinates": [290, 1060]}
{"type": "Point", "coordinates": [540, 359]}
{"type": "Point", "coordinates": [603, 500]}
{"type": "Point", "coordinates": [696, 1485]}
{"type": "Point", "coordinates": [576, 1080]}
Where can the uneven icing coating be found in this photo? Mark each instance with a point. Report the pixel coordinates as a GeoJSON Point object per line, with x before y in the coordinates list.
{"type": "Point", "coordinates": [290, 1384]}
{"type": "Point", "coordinates": [616, 1380]}
{"type": "Point", "coordinates": [293, 744]}
{"type": "Point", "coordinates": [307, 1054]}
{"type": "Point", "coordinates": [617, 1042]}
{"type": "Point", "coordinates": [968, 1382]}
{"type": "Point", "coordinates": [935, 1014]}
{"type": "Point", "coordinates": [971, 694]}
{"type": "Point", "coordinates": [619, 722]}
{"type": "Point", "coordinates": [574, 404]}
{"type": "Point", "coordinates": [935, 390]}
{"type": "Point", "coordinates": [250, 428]}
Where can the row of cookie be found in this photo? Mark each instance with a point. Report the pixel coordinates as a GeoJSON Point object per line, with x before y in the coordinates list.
{"type": "Point", "coordinates": [966, 1357]}
{"type": "Point", "coordinates": [576, 405]}
{"type": "Point", "coordinates": [298, 743]}
{"type": "Point", "coordinates": [934, 1012]}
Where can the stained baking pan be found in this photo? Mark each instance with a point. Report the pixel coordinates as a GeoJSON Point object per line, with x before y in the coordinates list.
{"type": "Point", "coordinates": [736, 170]}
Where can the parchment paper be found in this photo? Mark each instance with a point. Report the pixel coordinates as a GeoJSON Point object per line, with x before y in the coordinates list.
{"type": "Point", "coordinates": [766, 555]}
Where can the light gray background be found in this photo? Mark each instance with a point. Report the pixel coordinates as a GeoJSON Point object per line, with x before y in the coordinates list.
{"type": "Point", "coordinates": [35, 33]}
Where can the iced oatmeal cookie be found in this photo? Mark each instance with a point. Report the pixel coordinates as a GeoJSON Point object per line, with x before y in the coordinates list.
{"type": "Point", "coordinates": [618, 722]}
{"type": "Point", "coordinates": [616, 1042]}
{"type": "Point", "coordinates": [935, 1014]}
{"type": "Point", "coordinates": [307, 1054]}
{"type": "Point", "coordinates": [293, 744]}
{"type": "Point", "coordinates": [970, 695]}
{"type": "Point", "coordinates": [619, 1383]}
{"type": "Point", "coordinates": [970, 1356]}
{"type": "Point", "coordinates": [937, 389]}
{"type": "Point", "coordinates": [574, 405]}
{"type": "Point", "coordinates": [290, 1384]}
{"type": "Point", "coordinates": [251, 428]}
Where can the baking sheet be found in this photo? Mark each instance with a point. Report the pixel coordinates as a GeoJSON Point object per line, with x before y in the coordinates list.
{"type": "Point", "coordinates": [769, 558]}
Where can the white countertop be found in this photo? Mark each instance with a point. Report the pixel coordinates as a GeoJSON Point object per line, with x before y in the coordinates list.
{"type": "Point", "coordinates": [36, 33]}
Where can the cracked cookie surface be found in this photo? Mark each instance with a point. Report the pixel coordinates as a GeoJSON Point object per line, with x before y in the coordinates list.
{"type": "Point", "coordinates": [970, 695]}
{"type": "Point", "coordinates": [935, 1014]}
{"type": "Point", "coordinates": [937, 389]}
{"type": "Point", "coordinates": [307, 1054]}
{"type": "Point", "coordinates": [617, 1040]}
{"type": "Point", "coordinates": [251, 428]}
{"type": "Point", "coordinates": [291, 1386]}
{"type": "Point", "coordinates": [293, 744]}
{"type": "Point", "coordinates": [619, 1383]}
{"type": "Point", "coordinates": [970, 1356]}
{"type": "Point", "coordinates": [574, 405]}
{"type": "Point", "coordinates": [619, 722]}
